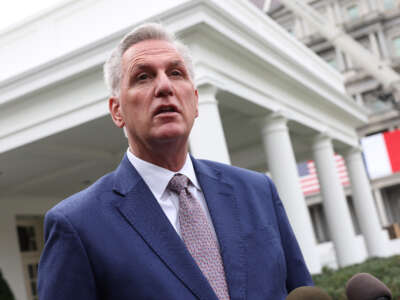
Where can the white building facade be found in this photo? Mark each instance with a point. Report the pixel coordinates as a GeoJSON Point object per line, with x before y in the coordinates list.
{"type": "Point", "coordinates": [374, 24]}
{"type": "Point", "coordinates": [265, 103]}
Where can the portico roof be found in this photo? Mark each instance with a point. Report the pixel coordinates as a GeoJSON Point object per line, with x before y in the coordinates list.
{"type": "Point", "coordinates": [55, 131]}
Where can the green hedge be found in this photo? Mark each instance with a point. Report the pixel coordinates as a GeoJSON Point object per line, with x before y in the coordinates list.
{"type": "Point", "coordinates": [386, 270]}
{"type": "Point", "coordinates": [5, 292]}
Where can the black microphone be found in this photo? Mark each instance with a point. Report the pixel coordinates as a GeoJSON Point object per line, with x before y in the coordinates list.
{"type": "Point", "coordinates": [364, 286]}
{"type": "Point", "coordinates": [308, 293]}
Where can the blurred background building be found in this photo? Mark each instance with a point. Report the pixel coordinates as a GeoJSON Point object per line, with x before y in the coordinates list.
{"type": "Point", "coordinates": [375, 24]}
{"type": "Point", "coordinates": [267, 103]}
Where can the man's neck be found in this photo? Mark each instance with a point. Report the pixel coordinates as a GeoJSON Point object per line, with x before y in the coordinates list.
{"type": "Point", "coordinates": [171, 158]}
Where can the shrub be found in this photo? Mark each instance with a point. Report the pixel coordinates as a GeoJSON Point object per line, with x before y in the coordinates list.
{"type": "Point", "coordinates": [386, 270]}
{"type": "Point", "coordinates": [5, 292]}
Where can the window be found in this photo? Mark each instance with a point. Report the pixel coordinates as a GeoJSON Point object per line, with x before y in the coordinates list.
{"type": "Point", "coordinates": [27, 238]}
{"type": "Point", "coordinates": [354, 219]}
{"type": "Point", "coordinates": [396, 46]}
{"type": "Point", "coordinates": [32, 274]}
{"type": "Point", "coordinates": [332, 62]}
{"type": "Point", "coordinates": [374, 102]}
{"type": "Point", "coordinates": [319, 223]}
{"type": "Point", "coordinates": [330, 56]}
{"type": "Point", "coordinates": [30, 237]}
{"type": "Point", "coordinates": [388, 4]}
{"type": "Point", "coordinates": [391, 196]}
{"type": "Point", "coordinates": [353, 12]}
{"type": "Point", "coordinates": [289, 26]}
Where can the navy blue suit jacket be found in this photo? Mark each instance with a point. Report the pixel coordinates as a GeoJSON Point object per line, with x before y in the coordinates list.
{"type": "Point", "coordinates": [113, 241]}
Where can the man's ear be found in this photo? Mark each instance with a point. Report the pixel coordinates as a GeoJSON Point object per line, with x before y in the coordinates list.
{"type": "Point", "coordinates": [196, 94]}
{"type": "Point", "coordinates": [114, 106]}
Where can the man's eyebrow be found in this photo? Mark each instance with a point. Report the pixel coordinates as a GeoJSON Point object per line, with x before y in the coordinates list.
{"type": "Point", "coordinates": [141, 66]}
{"type": "Point", "coordinates": [134, 68]}
{"type": "Point", "coordinates": [144, 66]}
{"type": "Point", "coordinates": [177, 63]}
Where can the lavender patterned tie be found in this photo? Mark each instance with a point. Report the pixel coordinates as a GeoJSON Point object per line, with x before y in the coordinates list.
{"type": "Point", "coordinates": [198, 236]}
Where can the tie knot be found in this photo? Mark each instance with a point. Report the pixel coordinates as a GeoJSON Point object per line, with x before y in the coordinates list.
{"type": "Point", "coordinates": [178, 183]}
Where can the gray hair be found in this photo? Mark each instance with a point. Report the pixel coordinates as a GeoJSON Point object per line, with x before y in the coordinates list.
{"type": "Point", "coordinates": [148, 31]}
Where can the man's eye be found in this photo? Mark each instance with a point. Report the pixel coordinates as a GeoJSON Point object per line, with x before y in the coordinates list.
{"type": "Point", "coordinates": [142, 76]}
{"type": "Point", "coordinates": [176, 73]}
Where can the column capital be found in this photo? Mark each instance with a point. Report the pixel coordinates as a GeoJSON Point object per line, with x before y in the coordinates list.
{"type": "Point", "coordinates": [277, 115]}
{"type": "Point", "coordinates": [207, 88]}
{"type": "Point", "coordinates": [273, 122]}
{"type": "Point", "coordinates": [350, 152]}
{"type": "Point", "coordinates": [321, 140]}
{"type": "Point", "coordinates": [207, 94]}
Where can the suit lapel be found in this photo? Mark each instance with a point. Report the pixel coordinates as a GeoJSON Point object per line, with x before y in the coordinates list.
{"type": "Point", "coordinates": [224, 212]}
{"type": "Point", "coordinates": [142, 211]}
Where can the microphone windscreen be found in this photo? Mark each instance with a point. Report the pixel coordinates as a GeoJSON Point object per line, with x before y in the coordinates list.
{"type": "Point", "coordinates": [364, 286]}
{"type": "Point", "coordinates": [308, 293]}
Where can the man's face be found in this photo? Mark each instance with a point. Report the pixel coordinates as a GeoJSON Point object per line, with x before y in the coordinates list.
{"type": "Point", "coordinates": [158, 101]}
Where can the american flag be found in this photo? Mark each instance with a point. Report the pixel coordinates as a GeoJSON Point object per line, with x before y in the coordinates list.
{"type": "Point", "coordinates": [308, 175]}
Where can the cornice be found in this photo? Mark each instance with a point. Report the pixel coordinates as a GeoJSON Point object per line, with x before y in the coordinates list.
{"type": "Point", "coordinates": [239, 21]}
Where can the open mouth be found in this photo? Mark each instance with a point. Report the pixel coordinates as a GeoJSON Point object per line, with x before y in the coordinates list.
{"type": "Point", "coordinates": [166, 109]}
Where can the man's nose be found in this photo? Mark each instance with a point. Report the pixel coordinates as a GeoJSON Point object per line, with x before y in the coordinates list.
{"type": "Point", "coordinates": [163, 86]}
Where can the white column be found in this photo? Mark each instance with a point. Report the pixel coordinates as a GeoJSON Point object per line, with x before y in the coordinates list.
{"type": "Point", "coordinates": [331, 13]}
{"type": "Point", "coordinates": [207, 139]}
{"type": "Point", "coordinates": [367, 216]}
{"type": "Point", "coordinates": [282, 165]}
{"type": "Point", "coordinates": [374, 44]}
{"type": "Point", "coordinates": [334, 202]}
{"type": "Point", "coordinates": [349, 61]}
{"type": "Point", "coordinates": [298, 32]}
{"type": "Point", "coordinates": [338, 12]}
{"type": "Point", "coordinates": [383, 44]}
{"type": "Point", "coordinates": [340, 60]}
{"type": "Point", "coordinates": [302, 27]}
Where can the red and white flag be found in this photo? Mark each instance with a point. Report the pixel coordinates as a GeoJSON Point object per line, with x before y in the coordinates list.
{"type": "Point", "coordinates": [382, 153]}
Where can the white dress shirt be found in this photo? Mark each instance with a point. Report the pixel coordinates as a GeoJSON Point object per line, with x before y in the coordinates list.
{"type": "Point", "coordinates": [157, 179]}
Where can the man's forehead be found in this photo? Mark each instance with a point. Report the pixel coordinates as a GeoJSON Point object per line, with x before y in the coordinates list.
{"type": "Point", "coordinates": [152, 48]}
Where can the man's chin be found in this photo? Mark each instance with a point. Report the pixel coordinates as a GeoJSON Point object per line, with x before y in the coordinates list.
{"type": "Point", "coordinates": [170, 135]}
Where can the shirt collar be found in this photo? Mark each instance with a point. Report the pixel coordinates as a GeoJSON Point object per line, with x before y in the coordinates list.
{"type": "Point", "coordinates": [157, 178]}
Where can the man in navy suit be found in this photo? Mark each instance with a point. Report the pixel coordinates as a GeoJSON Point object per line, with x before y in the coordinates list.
{"type": "Point", "coordinates": [129, 236]}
